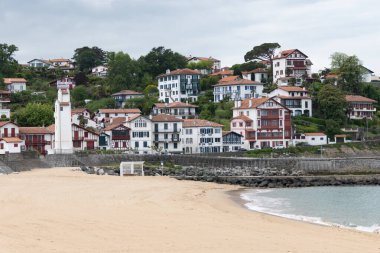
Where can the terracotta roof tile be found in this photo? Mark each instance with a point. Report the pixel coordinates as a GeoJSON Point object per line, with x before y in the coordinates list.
{"type": "Point", "coordinates": [14, 80]}
{"type": "Point", "coordinates": [314, 134]}
{"type": "Point", "coordinates": [11, 139]}
{"type": "Point", "coordinates": [255, 102]}
{"type": "Point", "coordinates": [181, 72]}
{"type": "Point", "coordinates": [234, 80]}
{"type": "Point", "coordinates": [133, 110]}
{"type": "Point", "coordinates": [165, 118]}
{"type": "Point", "coordinates": [224, 72]}
{"type": "Point", "coordinates": [355, 98]}
{"type": "Point", "coordinates": [127, 92]}
{"type": "Point", "coordinates": [199, 123]}
{"type": "Point", "coordinates": [119, 120]}
{"type": "Point", "coordinates": [51, 128]}
{"type": "Point", "coordinates": [244, 118]}
{"type": "Point", "coordinates": [292, 88]}
{"type": "Point", "coordinates": [35, 130]}
{"type": "Point", "coordinates": [174, 105]}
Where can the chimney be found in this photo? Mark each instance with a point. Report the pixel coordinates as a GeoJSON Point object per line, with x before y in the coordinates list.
{"type": "Point", "coordinates": [168, 71]}
{"type": "Point", "coordinates": [150, 116]}
{"type": "Point", "coordinates": [250, 103]}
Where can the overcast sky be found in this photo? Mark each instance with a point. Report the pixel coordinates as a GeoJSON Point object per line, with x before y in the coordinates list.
{"type": "Point", "coordinates": [223, 29]}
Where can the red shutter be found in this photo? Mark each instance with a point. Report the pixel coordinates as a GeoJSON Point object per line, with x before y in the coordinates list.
{"type": "Point", "coordinates": [13, 132]}
{"type": "Point", "coordinates": [5, 132]}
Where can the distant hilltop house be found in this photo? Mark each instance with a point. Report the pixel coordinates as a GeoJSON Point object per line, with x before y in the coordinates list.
{"type": "Point", "coordinates": [180, 85]}
{"type": "Point", "coordinates": [236, 88]}
{"type": "Point", "coordinates": [106, 115]}
{"type": "Point", "coordinates": [83, 117]}
{"type": "Point", "coordinates": [177, 109]}
{"type": "Point", "coordinates": [122, 96]}
{"type": "Point", "coordinates": [295, 98]}
{"type": "Point", "coordinates": [100, 71]}
{"type": "Point", "coordinates": [223, 73]}
{"type": "Point", "coordinates": [360, 107]}
{"type": "Point", "coordinates": [291, 64]}
{"type": "Point", "coordinates": [63, 83]}
{"type": "Point", "coordinates": [259, 75]}
{"type": "Point", "coordinates": [15, 84]}
{"type": "Point", "coordinates": [5, 97]}
{"type": "Point", "coordinates": [216, 64]}
{"type": "Point", "coordinates": [367, 76]}
{"type": "Point", "coordinates": [61, 63]}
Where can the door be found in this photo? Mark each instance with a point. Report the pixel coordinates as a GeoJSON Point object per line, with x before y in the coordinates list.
{"type": "Point", "coordinates": [5, 132]}
{"type": "Point", "coordinates": [90, 145]}
{"type": "Point", "coordinates": [76, 135]}
{"type": "Point", "coordinates": [13, 132]}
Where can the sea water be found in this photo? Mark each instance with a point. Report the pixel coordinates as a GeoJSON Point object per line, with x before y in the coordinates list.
{"type": "Point", "coordinates": [351, 206]}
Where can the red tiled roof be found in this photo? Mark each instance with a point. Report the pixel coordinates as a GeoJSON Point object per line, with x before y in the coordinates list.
{"type": "Point", "coordinates": [112, 126]}
{"type": "Point", "coordinates": [127, 92]}
{"type": "Point", "coordinates": [199, 123]}
{"type": "Point", "coordinates": [221, 73]}
{"type": "Point", "coordinates": [78, 110]}
{"type": "Point", "coordinates": [234, 80]}
{"type": "Point", "coordinates": [14, 80]}
{"type": "Point", "coordinates": [255, 102]}
{"type": "Point", "coordinates": [5, 92]}
{"type": "Point", "coordinates": [119, 120]}
{"type": "Point", "coordinates": [174, 105]}
{"type": "Point", "coordinates": [133, 110]}
{"type": "Point", "coordinates": [181, 72]}
{"type": "Point", "coordinates": [244, 118]}
{"type": "Point", "coordinates": [314, 134]}
{"type": "Point", "coordinates": [258, 70]}
{"type": "Point", "coordinates": [35, 130]}
{"type": "Point", "coordinates": [292, 88]}
{"type": "Point", "coordinates": [355, 98]}
{"type": "Point", "coordinates": [3, 123]}
{"type": "Point", "coordinates": [286, 53]}
{"type": "Point", "coordinates": [51, 128]}
{"type": "Point", "coordinates": [295, 97]}
{"type": "Point", "coordinates": [165, 118]}
{"type": "Point", "coordinates": [11, 139]}
{"type": "Point", "coordinates": [60, 60]}
{"type": "Point", "coordinates": [132, 117]}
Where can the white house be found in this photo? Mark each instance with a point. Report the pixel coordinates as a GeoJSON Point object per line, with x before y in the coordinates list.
{"type": "Point", "coordinates": [291, 63]}
{"type": "Point", "coordinates": [119, 136]}
{"type": "Point", "coordinates": [106, 115]}
{"type": "Point", "coordinates": [264, 123]}
{"type": "Point", "coordinates": [259, 75]}
{"type": "Point", "coordinates": [223, 73]}
{"type": "Point", "coordinates": [236, 88]}
{"type": "Point", "coordinates": [40, 139]}
{"type": "Point", "coordinates": [63, 129]}
{"type": "Point", "coordinates": [141, 134]}
{"type": "Point", "coordinates": [177, 109]}
{"type": "Point", "coordinates": [216, 64]}
{"type": "Point", "coordinates": [122, 96]}
{"type": "Point", "coordinates": [367, 74]}
{"type": "Point", "coordinates": [360, 107]}
{"type": "Point", "coordinates": [81, 116]}
{"type": "Point", "coordinates": [180, 85]}
{"type": "Point", "coordinates": [312, 139]}
{"type": "Point", "coordinates": [201, 136]}
{"type": "Point", "coordinates": [232, 141]}
{"type": "Point", "coordinates": [100, 71]}
{"type": "Point", "coordinates": [64, 83]}
{"type": "Point", "coordinates": [64, 64]}
{"type": "Point", "coordinates": [10, 141]}
{"type": "Point", "coordinates": [40, 63]}
{"type": "Point", "coordinates": [296, 99]}
{"type": "Point", "coordinates": [167, 133]}
{"type": "Point", "coordinates": [15, 84]}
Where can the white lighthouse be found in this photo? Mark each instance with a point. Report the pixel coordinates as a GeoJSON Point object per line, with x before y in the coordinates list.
{"type": "Point", "coordinates": [62, 115]}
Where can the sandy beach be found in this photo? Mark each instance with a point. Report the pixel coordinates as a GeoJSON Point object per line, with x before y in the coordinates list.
{"type": "Point", "coordinates": [60, 210]}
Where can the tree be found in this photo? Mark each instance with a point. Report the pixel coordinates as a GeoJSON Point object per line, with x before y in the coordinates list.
{"type": "Point", "coordinates": [349, 70]}
{"type": "Point", "coordinates": [35, 114]}
{"type": "Point", "coordinates": [200, 65]}
{"type": "Point", "coordinates": [159, 59]}
{"type": "Point", "coordinates": [100, 104]}
{"type": "Point", "coordinates": [247, 66]}
{"type": "Point", "coordinates": [123, 72]}
{"type": "Point", "coordinates": [145, 103]}
{"type": "Point", "coordinates": [78, 95]}
{"type": "Point", "coordinates": [264, 52]}
{"type": "Point", "coordinates": [151, 90]}
{"type": "Point", "coordinates": [8, 64]}
{"type": "Point", "coordinates": [332, 103]}
{"type": "Point", "coordinates": [80, 78]}
{"type": "Point", "coordinates": [87, 58]}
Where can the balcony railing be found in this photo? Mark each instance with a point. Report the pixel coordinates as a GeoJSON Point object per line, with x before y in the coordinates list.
{"type": "Point", "coordinates": [77, 138]}
{"type": "Point", "coordinates": [37, 142]}
{"type": "Point", "coordinates": [121, 137]}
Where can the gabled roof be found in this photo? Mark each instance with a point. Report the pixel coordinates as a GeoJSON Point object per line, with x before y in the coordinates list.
{"type": "Point", "coordinates": [79, 110]}
{"type": "Point", "coordinates": [314, 134]}
{"type": "Point", "coordinates": [86, 129]}
{"type": "Point", "coordinates": [60, 60]}
{"type": "Point", "coordinates": [174, 105]}
{"type": "Point", "coordinates": [292, 89]}
{"type": "Point", "coordinates": [258, 70]}
{"type": "Point", "coordinates": [244, 118]}
{"type": "Point", "coordinates": [234, 80]}
{"type": "Point", "coordinates": [222, 73]}
{"type": "Point", "coordinates": [113, 126]}
{"type": "Point", "coordinates": [41, 60]}
{"type": "Point", "coordinates": [134, 116]}
{"type": "Point", "coordinates": [35, 130]}
{"type": "Point", "coordinates": [165, 118]}
{"type": "Point", "coordinates": [14, 80]}
{"type": "Point", "coordinates": [286, 53]}
{"type": "Point", "coordinates": [199, 123]}
{"type": "Point", "coordinates": [3, 123]}
{"type": "Point", "coordinates": [181, 72]}
{"type": "Point", "coordinates": [51, 128]}
{"type": "Point", "coordinates": [127, 92]}
{"type": "Point", "coordinates": [230, 132]}
{"type": "Point", "coordinates": [133, 110]}
{"type": "Point", "coordinates": [11, 139]}
{"type": "Point", "coordinates": [203, 58]}
{"type": "Point", "coordinates": [368, 70]}
{"type": "Point", "coordinates": [356, 98]}
{"type": "Point", "coordinates": [250, 103]}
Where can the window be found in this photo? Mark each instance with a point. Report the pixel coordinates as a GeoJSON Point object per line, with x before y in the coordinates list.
{"type": "Point", "coordinates": [86, 134]}
{"type": "Point", "coordinates": [166, 145]}
{"type": "Point", "coordinates": [247, 113]}
{"type": "Point", "coordinates": [165, 136]}
{"type": "Point", "coordinates": [136, 144]}
{"type": "Point", "coordinates": [234, 124]}
{"type": "Point", "coordinates": [124, 144]}
{"type": "Point", "coordinates": [145, 144]}
{"type": "Point", "coordinates": [240, 124]}
{"type": "Point", "coordinates": [116, 144]}
{"type": "Point", "coordinates": [217, 139]}
{"type": "Point", "coordinates": [175, 145]}
{"type": "Point", "coordinates": [313, 139]}
{"type": "Point", "coordinates": [61, 108]}
{"type": "Point", "coordinates": [166, 126]}
{"type": "Point", "coordinates": [15, 145]}
{"type": "Point", "coordinates": [306, 104]}
{"type": "Point", "coordinates": [321, 138]}
{"type": "Point", "coordinates": [217, 130]}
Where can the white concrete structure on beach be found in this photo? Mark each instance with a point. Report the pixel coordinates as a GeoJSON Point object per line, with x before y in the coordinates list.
{"type": "Point", "coordinates": [63, 128]}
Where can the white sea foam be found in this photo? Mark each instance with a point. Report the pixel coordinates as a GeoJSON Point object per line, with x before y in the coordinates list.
{"type": "Point", "coordinates": [276, 207]}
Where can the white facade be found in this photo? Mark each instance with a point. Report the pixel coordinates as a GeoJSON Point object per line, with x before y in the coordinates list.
{"type": "Point", "coordinates": [39, 63]}
{"type": "Point", "coordinates": [15, 84]}
{"type": "Point", "coordinates": [40, 139]}
{"type": "Point", "coordinates": [64, 83]}
{"type": "Point", "coordinates": [312, 139]}
{"type": "Point", "coordinates": [10, 141]}
{"type": "Point", "coordinates": [235, 88]}
{"type": "Point", "coordinates": [294, 98]}
{"type": "Point", "coordinates": [201, 136]}
{"type": "Point", "coordinates": [216, 64]}
{"type": "Point", "coordinates": [141, 134]}
{"type": "Point", "coordinates": [78, 114]}
{"type": "Point", "coordinates": [167, 133]}
{"type": "Point", "coordinates": [63, 129]}
{"type": "Point", "coordinates": [232, 141]}
{"type": "Point", "coordinates": [179, 86]}
{"type": "Point", "coordinates": [109, 114]}
{"type": "Point", "coordinates": [177, 109]}
{"type": "Point", "coordinates": [100, 71]}
{"type": "Point", "coordinates": [258, 75]}
{"type": "Point", "coordinates": [291, 63]}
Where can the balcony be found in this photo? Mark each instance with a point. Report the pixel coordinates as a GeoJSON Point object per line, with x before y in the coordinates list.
{"type": "Point", "coordinates": [77, 138]}
{"type": "Point", "coordinates": [270, 116]}
{"type": "Point", "coordinates": [37, 142]}
{"type": "Point", "coordinates": [121, 137]}
{"type": "Point", "coordinates": [10, 135]}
